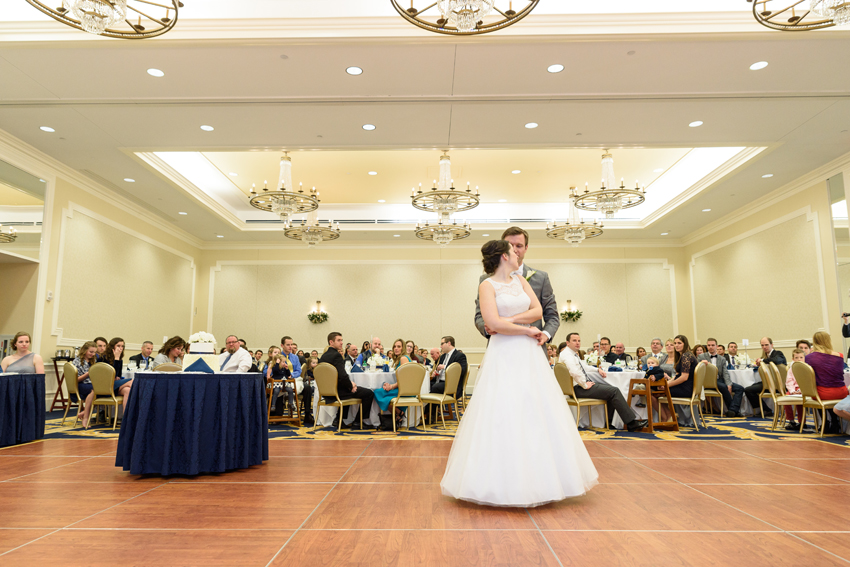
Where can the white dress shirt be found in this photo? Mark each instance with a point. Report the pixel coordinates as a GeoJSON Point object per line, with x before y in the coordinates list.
{"type": "Point", "coordinates": [240, 361]}
{"type": "Point", "coordinates": [576, 367]}
{"type": "Point", "coordinates": [441, 376]}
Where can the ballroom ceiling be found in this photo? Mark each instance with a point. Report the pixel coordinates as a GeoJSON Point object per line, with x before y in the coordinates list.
{"type": "Point", "coordinates": [629, 89]}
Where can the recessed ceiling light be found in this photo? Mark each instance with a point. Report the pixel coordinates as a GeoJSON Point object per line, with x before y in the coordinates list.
{"type": "Point", "coordinates": [485, 235]}
{"type": "Point", "coordinates": [706, 210]}
{"type": "Point", "coordinates": [695, 124]}
{"type": "Point", "coordinates": [382, 201]}
{"type": "Point", "coordinates": [766, 175]}
{"type": "Point", "coordinates": [555, 68]}
{"type": "Point", "coordinates": [46, 129]}
{"type": "Point", "coordinates": [396, 235]}
{"type": "Point", "coordinates": [354, 71]}
{"type": "Point", "coordinates": [659, 170]}
{"type": "Point", "coordinates": [664, 233]}
{"type": "Point", "coordinates": [182, 213]}
{"type": "Point", "coordinates": [758, 65]}
{"type": "Point", "coordinates": [42, 180]}
{"type": "Point", "coordinates": [128, 180]}
{"type": "Point", "coordinates": [516, 172]}
{"type": "Point", "coordinates": [373, 173]}
{"type": "Point", "coordinates": [532, 125]}
{"type": "Point", "coordinates": [219, 236]}
{"type": "Point", "coordinates": [369, 127]}
{"type": "Point", "coordinates": [503, 200]}
{"type": "Point", "coordinates": [155, 73]}
{"type": "Point", "coordinates": [233, 174]}
{"type": "Point", "coordinates": [206, 128]}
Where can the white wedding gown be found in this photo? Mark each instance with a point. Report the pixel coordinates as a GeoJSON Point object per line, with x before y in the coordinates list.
{"type": "Point", "coordinates": [517, 444]}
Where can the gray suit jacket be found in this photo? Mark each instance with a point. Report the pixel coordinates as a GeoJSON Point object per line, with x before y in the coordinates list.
{"type": "Point", "coordinates": [543, 290]}
{"type": "Point", "coordinates": [661, 356]}
{"type": "Point", "coordinates": [722, 374]}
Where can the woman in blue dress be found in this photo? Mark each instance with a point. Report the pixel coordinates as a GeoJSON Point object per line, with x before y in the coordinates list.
{"type": "Point", "coordinates": [385, 394]}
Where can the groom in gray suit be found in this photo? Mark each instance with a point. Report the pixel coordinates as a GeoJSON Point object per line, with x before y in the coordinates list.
{"type": "Point", "coordinates": [539, 281]}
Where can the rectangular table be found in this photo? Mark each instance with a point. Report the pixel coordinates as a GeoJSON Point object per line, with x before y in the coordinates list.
{"type": "Point", "coordinates": [22, 408]}
{"type": "Point", "coordinates": [193, 423]}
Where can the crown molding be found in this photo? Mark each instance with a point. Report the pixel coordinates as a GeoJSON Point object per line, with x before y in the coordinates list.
{"type": "Point", "coordinates": [9, 143]}
{"type": "Point", "coordinates": [800, 184]}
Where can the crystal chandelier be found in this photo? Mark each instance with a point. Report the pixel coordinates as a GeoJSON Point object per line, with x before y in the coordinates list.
{"type": "Point", "coordinates": [575, 231]}
{"type": "Point", "coordinates": [443, 234]}
{"type": "Point", "coordinates": [800, 15]}
{"type": "Point", "coordinates": [609, 199]}
{"type": "Point", "coordinates": [464, 17]}
{"type": "Point", "coordinates": [311, 232]}
{"type": "Point", "coordinates": [8, 234]}
{"type": "Point", "coordinates": [285, 202]}
{"type": "Point", "coordinates": [122, 19]}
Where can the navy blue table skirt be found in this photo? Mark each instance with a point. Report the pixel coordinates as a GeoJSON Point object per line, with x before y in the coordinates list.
{"type": "Point", "coordinates": [22, 408]}
{"type": "Point", "coordinates": [194, 423]}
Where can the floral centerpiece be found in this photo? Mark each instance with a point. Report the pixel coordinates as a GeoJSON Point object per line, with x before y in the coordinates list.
{"type": "Point", "coordinates": [592, 358]}
{"type": "Point", "coordinates": [742, 360]}
{"type": "Point", "coordinates": [376, 361]}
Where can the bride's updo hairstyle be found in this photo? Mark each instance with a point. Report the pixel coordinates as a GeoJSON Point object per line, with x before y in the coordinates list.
{"type": "Point", "coordinates": [491, 254]}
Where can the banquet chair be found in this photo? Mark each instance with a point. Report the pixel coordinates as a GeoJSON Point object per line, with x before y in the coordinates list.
{"type": "Point", "coordinates": [326, 383]}
{"type": "Point", "coordinates": [69, 373]}
{"type": "Point", "coordinates": [710, 389]}
{"type": "Point", "coordinates": [805, 376]}
{"type": "Point", "coordinates": [694, 400]}
{"type": "Point", "coordinates": [168, 367]}
{"type": "Point", "coordinates": [565, 380]}
{"type": "Point", "coordinates": [765, 390]}
{"type": "Point", "coordinates": [452, 378]}
{"type": "Point", "coordinates": [778, 395]}
{"type": "Point", "coordinates": [409, 378]}
{"type": "Point", "coordinates": [102, 377]}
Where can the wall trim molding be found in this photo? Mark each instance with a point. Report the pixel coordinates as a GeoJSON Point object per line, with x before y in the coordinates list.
{"type": "Point", "coordinates": [811, 217]}
{"type": "Point", "coordinates": [68, 214]}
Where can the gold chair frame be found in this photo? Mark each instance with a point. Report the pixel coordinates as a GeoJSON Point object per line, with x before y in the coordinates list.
{"type": "Point", "coordinates": [699, 382]}
{"type": "Point", "coordinates": [168, 367]}
{"type": "Point", "coordinates": [452, 379]}
{"type": "Point", "coordinates": [805, 376]}
{"type": "Point", "coordinates": [409, 378]}
{"type": "Point", "coordinates": [712, 390]}
{"type": "Point", "coordinates": [565, 380]}
{"type": "Point", "coordinates": [69, 375]}
{"type": "Point", "coordinates": [102, 377]}
{"type": "Point", "coordinates": [326, 377]}
{"type": "Point", "coordinates": [778, 395]}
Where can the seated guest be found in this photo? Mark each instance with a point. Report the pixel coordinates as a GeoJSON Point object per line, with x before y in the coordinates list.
{"type": "Point", "coordinates": [656, 350]}
{"type": "Point", "coordinates": [101, 343]}
{"type": "Point", "coordinates": [258, 360]}
{"type": "Point", "coordinates": [243, 344]}
{"type": "Point", "coordinates": [561, 348]}
{"type": "Point", "coordinates": [22, 360]}
{"type": "Point", "coordinates": [682, 386]}
{"type": "Point", "coordinates": [732, 354]}
{"type": "Point", "coordinates": [604, 348]}
{"type": "Point", "coordinates": [171, 352]}
{"type": "Point", "coordinates": [595, 347]}
{"type": "Point", "coordinates": [413, 352]}
{"type": "Point", "coordinates": [302, 388]}
{"type": "Point", "coordinates": [315, 353]}
{"type": "Point", "coordinates": [368, 352]}
{"type": "Point", "coordinates": [350, 357]}
{"type": "Point", "coordinates": [793, 389]}
{"type": "Point", "coordinates": [236, 358]}
{"type": "Point", "coordinates": [308, 368]}
{"type": "Point", "coordinates": [423, 355]}
{"type": "Point", "coordinates": [551, 354]}
{"type": "Point", "coordinates": [280, 368]}
{"type": "Point", "coordinates": [435, 356]}
{"type": "Point", "coordinates": [143, 359]}
{"type": "Point", "coordinates": [640, 353]}
{"type": "Point", "coordinates": [804, 346]}
{"type": "Point", "coordinates": [449, 355]}
{"type": "Point", "coordinates": [829, 375]}
{"type": "Point", "coordinates": [114, 356]}
{"type": "Point", "coordinates": [345, 388]}
{"type": "Point", "coordinates": [842, 410]}
{"type": "Point", "coordinates": [387, 391]}
{"type": "Point", "coordinates": [619, 353]}
{"type": "Point", "coordinates": [698, 350]}
{"type": "Point", "coordinates": [299, 353]}
{"type": "Point", "coordinates": [670, 353]}
{"type": "Point", "coordinates": [597, 390]}
{"type": "Point", "coordinates": [721, 350]}
{"type": "Point", "coordinates": [86, 358]}
{"type": "Point", "coordinates": [733, 394]}
{"type": "Point", "coordinates": [769, 354]}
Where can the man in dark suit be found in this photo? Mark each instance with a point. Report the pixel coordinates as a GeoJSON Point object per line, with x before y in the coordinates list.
{"type": "Point", "coordinates": [449, 356]}
{"type": "Point", "coordinates": [732, 393]}
{"type": "Point", "coordinates": [345, 388]}
{"type": "Point", "coordinates": [770, 354]}
{"type": "Point", "coordinates": [351, 355]}
{"type": "Point", "coordinates": [143, 359]}
{"type": "Point", "coordinates": [619, 353]}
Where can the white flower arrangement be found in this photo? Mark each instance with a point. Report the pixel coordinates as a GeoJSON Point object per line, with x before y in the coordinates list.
{"type": "Point", "coordinates": [592, 358]}
{"type": "Point", "coordinates": [377, 361]}
{"type": "Point", "coordinates": [742, 360]}
{"type": "Point", "coordinates": [202, 337]}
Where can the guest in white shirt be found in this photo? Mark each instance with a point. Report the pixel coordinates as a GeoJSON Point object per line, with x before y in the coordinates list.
{"type": "Point", "coordinates": [587, 387]}
{"type": "Point", "coordinates": [234, 358]}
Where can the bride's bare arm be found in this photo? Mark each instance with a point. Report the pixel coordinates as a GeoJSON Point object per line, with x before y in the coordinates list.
{"type": "Point", "coordinates": [534, 313]}
{"type": "Point", "coordinates": [490, 313]}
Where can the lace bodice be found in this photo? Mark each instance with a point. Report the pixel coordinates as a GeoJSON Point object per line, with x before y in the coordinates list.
{"type": "Point", "coordinates": [511, 299]}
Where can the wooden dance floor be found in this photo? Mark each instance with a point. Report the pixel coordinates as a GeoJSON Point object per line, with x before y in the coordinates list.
{"type": "Point", "coordinates": [378, 502]}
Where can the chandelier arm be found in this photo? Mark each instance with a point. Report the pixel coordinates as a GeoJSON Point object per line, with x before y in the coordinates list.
{"type": "Point", "coordinates": [446, 30]}
{"type": "Point", "coordinates": [62, 17]}
{"type": "Point", "coordinates": [142, 13]}
{"type": "Point", "coordinates": [798, 25]}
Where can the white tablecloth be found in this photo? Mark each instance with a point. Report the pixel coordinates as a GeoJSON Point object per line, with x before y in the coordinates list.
{"type": "Point", "coordinates": [747, 377]}
{"type": "Point", "coordinates": [621, 381]}
{"type": "Point", "coordinates": [370, 381]}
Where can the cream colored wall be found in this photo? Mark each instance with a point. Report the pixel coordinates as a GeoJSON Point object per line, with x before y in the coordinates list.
{"type": "Point", "coordinates": [17, 299]}
{"type": "Point", "coordinates": [743, 283]}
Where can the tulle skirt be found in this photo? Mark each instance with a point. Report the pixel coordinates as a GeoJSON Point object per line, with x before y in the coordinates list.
{"type": "Point", "coordinates": [517, 444]}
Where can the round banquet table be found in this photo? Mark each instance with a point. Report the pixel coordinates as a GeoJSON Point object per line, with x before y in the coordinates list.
{"type": "Point", "coordinates": [22, 408]}
{"type": "Point", "coordinates": [747, 377]}
{"type": "Point", "coordinates": [371, 381]}
{"type": "Point", "coordinates": [620, 380]}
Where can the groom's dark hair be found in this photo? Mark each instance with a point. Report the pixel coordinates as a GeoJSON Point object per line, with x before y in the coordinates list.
{"type": "Point", "coordinates": [513, 231]}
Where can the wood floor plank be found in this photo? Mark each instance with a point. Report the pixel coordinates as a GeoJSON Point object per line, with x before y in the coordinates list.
{"type": "Point", "coordinates": [286, 469]}
{"type": "Point", "coordinates": [839, 544]}
{"type": "Point", "coordinates": [397, 469]}
{"type": "Point", "coordinates": [787, 449]}
{"type": "Point", "coordinates": [89, 470]}
{"type": "Point", "coordinates": [836, 468]}
{"type": "Point", "coordinates": [14, 466]}
{"type": "Point", "coordinates": [316, 448]}
{"type": "Point", "coordinates": [669, 450]}
{"type": "Point", "coordinates": [409, 448]}
{"type": "Point", "coordinates": [735, 471]}
{"type": "Point", "coordinates": [12, 538]}
{"type": "Point", "coordinates": [64, 448]}
{"type": "Point", "coordinates": [625, 471]}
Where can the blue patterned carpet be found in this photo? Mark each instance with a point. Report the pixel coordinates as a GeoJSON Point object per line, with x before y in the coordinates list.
{"type": "Point", "coordinates": [719, 429]}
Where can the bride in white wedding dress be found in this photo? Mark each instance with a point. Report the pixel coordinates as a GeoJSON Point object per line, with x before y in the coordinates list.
{"type": "Point", "coordinates": [517, 444]}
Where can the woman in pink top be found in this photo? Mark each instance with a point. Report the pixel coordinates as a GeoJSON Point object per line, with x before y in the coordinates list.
{"type": "Point", "coordinates": [794, 390]}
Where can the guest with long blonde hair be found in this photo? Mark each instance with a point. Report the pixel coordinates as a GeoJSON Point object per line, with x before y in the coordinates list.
{"type": "Point", "coordinates": [829, 375]}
